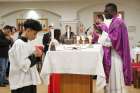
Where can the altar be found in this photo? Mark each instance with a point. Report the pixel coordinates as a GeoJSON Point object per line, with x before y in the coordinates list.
{"type": "Point", "coordinates": [76, 65]}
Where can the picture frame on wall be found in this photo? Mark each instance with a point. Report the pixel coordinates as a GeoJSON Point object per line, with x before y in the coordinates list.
{"type": "Point", "coordinates": [20, 23]}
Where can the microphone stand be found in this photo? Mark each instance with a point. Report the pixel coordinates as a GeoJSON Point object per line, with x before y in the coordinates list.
{"type": "Point", "coordinates": [87, 30]}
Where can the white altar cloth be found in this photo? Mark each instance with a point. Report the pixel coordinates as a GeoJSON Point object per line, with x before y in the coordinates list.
{"type": "Point", "coordinates": [85, 60]}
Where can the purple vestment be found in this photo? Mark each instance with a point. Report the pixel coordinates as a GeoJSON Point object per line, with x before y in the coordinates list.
{"type": "Point", "coordinates": [119, 38]}
{"type": "Point", "coordinates": [95, 35]}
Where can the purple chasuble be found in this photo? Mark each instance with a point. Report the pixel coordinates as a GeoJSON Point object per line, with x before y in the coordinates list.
{"type": "Point", "coordinates": [95, 37]}
{"type": "Point", "coordinates": [119, 37]}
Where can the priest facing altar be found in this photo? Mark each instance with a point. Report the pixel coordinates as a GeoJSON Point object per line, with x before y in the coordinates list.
{"type": "Point", "coordinates": [117, 65]}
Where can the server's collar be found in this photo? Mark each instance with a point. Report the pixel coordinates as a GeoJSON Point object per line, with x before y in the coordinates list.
{"type": "Point", "coordinates": [24, 39]}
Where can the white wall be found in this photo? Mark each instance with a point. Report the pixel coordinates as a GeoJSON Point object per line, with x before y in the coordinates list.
{"type": "Point", "coordinates": [71, 11]}
{"type": "Point", "coordinates": [22, 14]}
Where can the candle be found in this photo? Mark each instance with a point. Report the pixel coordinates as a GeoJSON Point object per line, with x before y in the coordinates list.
{"type": "Point", "coordinates": [78, 39]}
{"type": "Point", "coordinates": [68, 33]}
{"type": "Point", "coordinates": [90, 39]}
{"type": "Point", "coordinates": [52, 32]}
{"type": "Point", "coordinates": [83, 39]}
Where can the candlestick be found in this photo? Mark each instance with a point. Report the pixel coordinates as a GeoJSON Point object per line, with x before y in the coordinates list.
{"type": "Point", "coordinates": [52, 32]}
{"type": "Point", "coordinates": [68, 33]}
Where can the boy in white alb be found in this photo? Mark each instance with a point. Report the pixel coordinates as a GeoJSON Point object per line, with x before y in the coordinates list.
{"type": "Point", "coordinates": [23, 75]}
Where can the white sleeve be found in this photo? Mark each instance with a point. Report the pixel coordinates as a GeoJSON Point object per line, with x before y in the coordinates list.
{"type": "Point", "coordinates": [19, 57]}
{"type": "Point", "coordinates": [105, 40]}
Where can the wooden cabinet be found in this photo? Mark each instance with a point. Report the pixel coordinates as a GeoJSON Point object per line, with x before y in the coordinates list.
{"type": "Point", "coordinates": [74, 83]}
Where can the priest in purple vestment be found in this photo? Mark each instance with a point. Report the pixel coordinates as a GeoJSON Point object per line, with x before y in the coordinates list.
{"type": "Point", "coordinates": [116, 61]}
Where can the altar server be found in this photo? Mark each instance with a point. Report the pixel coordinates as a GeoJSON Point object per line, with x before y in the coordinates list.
{"type": "Point", "coordinates": [23, 75]}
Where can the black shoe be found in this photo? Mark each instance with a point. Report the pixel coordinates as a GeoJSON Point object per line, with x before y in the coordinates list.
{"type": "Point", "coordinates": [2, 85]}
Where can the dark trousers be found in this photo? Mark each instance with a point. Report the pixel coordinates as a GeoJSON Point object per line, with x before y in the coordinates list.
{"type": "Point", "coordinates": [3, 66]}
{"type": "Point", "coordinates": [27, 89]}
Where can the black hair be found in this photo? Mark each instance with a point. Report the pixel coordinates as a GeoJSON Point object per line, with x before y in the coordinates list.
{"type": "Point", "coordinates": [100, 16]}
{"type": "Point", "coordinates": [57, 34]}
{"type": "Point", "coordinates": [0, 30]}
{"type": "Point", "coordinates": [113, 6]}
{"type": "Point", "coordinates": [32, 24]}
{"type": "Point", "coordinates": [7, 27]}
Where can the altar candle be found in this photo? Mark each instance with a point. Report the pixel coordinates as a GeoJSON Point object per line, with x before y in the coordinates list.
{"type": "Point", "coordinates": [52, 32]}
{"type": "Point", "coordinates": [68, 33]}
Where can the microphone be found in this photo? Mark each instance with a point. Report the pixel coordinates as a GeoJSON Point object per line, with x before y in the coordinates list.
{"type": "Point", "coordinates": [87, 30]}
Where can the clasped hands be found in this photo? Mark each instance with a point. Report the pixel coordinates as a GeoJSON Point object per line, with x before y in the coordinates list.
{"type": "Point", "coordinates": [38, 52]}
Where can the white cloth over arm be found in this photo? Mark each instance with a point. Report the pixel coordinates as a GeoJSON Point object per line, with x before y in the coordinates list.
{"type": "Point", "coordinates": [116, 78]}
{"type": "Point", "coordinates": [105, 40]}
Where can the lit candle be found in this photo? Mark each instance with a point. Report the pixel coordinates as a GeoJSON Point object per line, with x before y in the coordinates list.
{"type": "Point", "coordinates": [90, 39]}
{"type": "Point", "coordinates": [52, 32]}
{"type": "Point", "coordinates": [83, 39]}
{"type": "Point", "coordinates": [68, 32]}
{"type": "Point", "coordinates": [78, 39]}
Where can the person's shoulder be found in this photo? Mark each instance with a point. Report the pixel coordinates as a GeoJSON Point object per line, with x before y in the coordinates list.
{"type": "Point", "coordinates": [18, 41]}
{"type": "Point", "coordinates": [47, 34]}
{"type": "Point", "coordinates": [119, 21]}
{"type": "Point", "coordinates": [72, 33]}
{"type": "Point", "coordinates": [1, 34]}
{"type": "Point", "coordinates": [102, 25]}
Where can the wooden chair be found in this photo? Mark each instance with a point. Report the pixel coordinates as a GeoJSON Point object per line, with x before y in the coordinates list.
{"type": "Point", "coordinates": [138, 78]}
{"type": "Point", "coordinates": [136, 74]}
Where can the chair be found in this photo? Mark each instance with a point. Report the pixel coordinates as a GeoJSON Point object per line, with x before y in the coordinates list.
{"type": "Point", "coordinates": [138, 78]}
{"type": "Point", "coordinates": [136, 74]}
